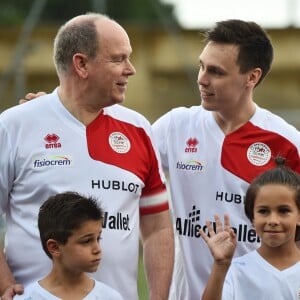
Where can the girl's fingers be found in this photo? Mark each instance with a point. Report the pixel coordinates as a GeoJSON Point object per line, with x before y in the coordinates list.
{"type": "Point", "coordinates": [219, 225]}
{"type": "Point", "coordinates": [226, 222]}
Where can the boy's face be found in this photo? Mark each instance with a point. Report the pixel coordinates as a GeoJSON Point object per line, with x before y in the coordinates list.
{"type": "Point", "coordinates": [82, 252]}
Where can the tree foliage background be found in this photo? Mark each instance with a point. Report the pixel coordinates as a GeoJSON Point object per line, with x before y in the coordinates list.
{"type": "Point", "coordinates": [141, 12]}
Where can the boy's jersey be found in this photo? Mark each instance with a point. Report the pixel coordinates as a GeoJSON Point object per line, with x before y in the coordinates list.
{"type": "Point", "coordinates": [100, 291]}
{"type": "Point", "coordinates": [45, 150]}
{"type": "Point", "coordinates": [209, 174]}
{"type": "Point", "coordinates": [252, 277]}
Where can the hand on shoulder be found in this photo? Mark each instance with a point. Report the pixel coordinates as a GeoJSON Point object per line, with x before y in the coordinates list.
{"type": "Point", "coordinates": [31, 96]}
{"type": "Point", "coordinates": [11, 291]}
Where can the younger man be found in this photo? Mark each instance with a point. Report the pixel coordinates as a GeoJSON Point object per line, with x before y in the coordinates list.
{"type": "Point", "coordinates": [214, 150]}
{"type": "Point", "coordinates": [70, 228]}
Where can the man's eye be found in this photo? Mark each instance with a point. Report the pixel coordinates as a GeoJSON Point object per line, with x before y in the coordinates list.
{"type": "Point", "coordinates": [118, 59]}
{"type": "Point", "coordinates": [216, 71]}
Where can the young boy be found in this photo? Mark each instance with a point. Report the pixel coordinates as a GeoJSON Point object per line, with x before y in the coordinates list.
{"type": "Point", "coordinates": [272, 271]}
{"type": "Point", "coordinates": [70, 228]}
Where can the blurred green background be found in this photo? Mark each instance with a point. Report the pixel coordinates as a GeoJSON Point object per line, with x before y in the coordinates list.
{"type": "Point", "coordinates": [164, 55]}
{"type": "Point", "coordinates": [142, 284]}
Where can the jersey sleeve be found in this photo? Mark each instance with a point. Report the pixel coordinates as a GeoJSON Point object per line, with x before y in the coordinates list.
{"type": "Point", "coordinates": [160, 131]}
{"type": "Point", "coordinates": [154, 196]}
{"type": "Point", "coordinates": [228, 287]}
{"type": "Point", "coordinates": [6, 167]}
{"type": "Point", "coordinates": [127, 142]}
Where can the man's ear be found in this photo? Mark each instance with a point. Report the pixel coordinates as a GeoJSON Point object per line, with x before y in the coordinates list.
{"type": "Point", "coordinates": [254, 76]}
{"type": "Point", "coordinates": [80, 64]}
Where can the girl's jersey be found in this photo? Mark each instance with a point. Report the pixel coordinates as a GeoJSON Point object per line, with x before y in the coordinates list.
{"type": "Point", "coordinates": [252, 277]}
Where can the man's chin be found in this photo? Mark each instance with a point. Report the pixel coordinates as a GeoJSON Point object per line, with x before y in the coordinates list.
{"type": "Point", "coordinates": [119, 100]}
{"type": "Point", "coordinates": [206, 106]}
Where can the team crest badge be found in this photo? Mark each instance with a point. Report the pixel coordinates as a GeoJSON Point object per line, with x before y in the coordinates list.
{"type": "Point", "coordinates": [259, 154]}
{"type": "Point", "coordinates": [119, 142]}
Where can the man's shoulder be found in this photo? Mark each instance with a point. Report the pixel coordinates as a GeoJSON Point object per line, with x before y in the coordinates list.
{"type": "Point", "coordinates": [268, 117]}
{"type": "Point", "coordinates": [126, 114]}
{"type": "Point", "coordinates": [188, 111]}
{"type": "Point", "coordinates": [25, 109]}
{"type": "Point", "coordinates": [274, 123]}
{"type": "Point", "coordinates": [183, 114]}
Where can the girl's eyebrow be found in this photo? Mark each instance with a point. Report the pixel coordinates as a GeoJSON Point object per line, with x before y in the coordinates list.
{"type": "Point", "coordinates": [262, 206]}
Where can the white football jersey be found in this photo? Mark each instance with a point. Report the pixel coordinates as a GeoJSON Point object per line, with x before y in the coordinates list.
{"type": "Point", "coordinates": [252, 277]}
{"type": "Point", "coordinates": [45, 150]}
{"type": "Point", "coordinates": [101, 291]}
{"type": "Point", "coordinates": [209, 174]}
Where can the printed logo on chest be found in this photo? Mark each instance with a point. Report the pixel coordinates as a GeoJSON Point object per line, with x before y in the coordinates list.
{"type": "Point", "coordinates": [191, 145]}
{"type": "Point", "coordinates": [119, 142]}
{"type": "Point", "coordinates": [259, 154]}
{"type": "Point", "coordinates": [52, 141]}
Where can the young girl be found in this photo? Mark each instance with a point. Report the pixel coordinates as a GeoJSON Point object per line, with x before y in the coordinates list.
{"type": "Point", "coordinates": [272, 204]}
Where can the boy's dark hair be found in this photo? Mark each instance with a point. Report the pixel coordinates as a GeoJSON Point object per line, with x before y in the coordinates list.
{"type": "Point", "coordinates": [278, 175]}
{"type": "Point", "coordinates": [255, 47]}
{"type": "Point", "coordinates": [62, 213]}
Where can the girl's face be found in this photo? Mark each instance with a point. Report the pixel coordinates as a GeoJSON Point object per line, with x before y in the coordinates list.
{"type": "Point", "coordinates": [276, 215]}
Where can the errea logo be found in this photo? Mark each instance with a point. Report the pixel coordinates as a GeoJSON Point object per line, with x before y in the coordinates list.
{"type": "Point", "coordinates": [52, 141]}
{"type": "Point", "coordinates": [191, 145]}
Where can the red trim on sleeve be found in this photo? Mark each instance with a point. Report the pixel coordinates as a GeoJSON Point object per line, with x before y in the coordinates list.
{"type": "Point", "coordinates": [154, 209]}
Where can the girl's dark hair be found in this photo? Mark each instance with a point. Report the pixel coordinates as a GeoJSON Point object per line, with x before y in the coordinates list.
{"type": "Point", "coordinates": [278, 175]}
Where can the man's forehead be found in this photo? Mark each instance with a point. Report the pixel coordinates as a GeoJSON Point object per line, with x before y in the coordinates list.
{"type": "Point", "coordinates": [214, 52]}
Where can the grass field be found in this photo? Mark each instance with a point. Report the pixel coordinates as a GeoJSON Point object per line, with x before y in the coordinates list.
{"type": "Point", "coordinates": [142, 284]}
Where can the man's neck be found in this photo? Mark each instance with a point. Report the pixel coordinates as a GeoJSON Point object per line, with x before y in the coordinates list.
{"type": "Point", "coordinates": [79, 109]}
{"type": "Point", "coordinates": [234, 119]}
